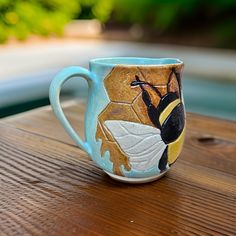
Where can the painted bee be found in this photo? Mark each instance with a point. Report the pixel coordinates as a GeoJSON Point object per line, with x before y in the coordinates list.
{"type": "Point", "coordinates": [148, 146]}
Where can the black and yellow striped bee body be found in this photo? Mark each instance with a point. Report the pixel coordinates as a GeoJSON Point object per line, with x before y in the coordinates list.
{"type": "Point", "coordinates": [169, 117]}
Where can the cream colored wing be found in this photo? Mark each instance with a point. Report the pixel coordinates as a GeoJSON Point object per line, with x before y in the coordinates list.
{"type": "Point", "coordinates": [141, 143]}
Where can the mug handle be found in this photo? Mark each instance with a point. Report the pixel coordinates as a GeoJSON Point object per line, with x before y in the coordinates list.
{"type": "Point", "coordinates": [54, 96]}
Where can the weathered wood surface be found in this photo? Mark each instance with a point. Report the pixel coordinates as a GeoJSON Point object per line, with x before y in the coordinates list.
{"type": "Point", "coordinates": [50, 187]}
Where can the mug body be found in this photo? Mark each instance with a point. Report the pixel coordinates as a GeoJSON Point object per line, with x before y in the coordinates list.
{"type": "Point", "coordinates": [135, 119]}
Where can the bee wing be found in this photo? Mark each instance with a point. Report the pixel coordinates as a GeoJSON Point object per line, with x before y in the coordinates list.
{"type": "Point", "coordinates": [141, 143]}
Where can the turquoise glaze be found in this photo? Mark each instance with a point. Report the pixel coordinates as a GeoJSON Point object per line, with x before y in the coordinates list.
{"type": "Point", "coordinates": [97, 100]}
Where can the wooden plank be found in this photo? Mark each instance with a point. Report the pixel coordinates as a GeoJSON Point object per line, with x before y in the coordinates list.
{"type": "Point", "coordinates": [209, 142]}
{"type": "Point", "coordinates": [52, 188]}
{"type": "Point", "coordinates": [43, 122]}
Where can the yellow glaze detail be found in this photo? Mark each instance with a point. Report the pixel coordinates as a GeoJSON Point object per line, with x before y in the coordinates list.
{"type": "Point", "coordinates": [168, 110]}
{"type": "Point", "coordinates": [175, 148]}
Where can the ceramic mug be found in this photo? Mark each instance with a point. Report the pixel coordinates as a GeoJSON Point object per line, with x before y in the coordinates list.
{"type": "Point", "coordinates": [135, 117]}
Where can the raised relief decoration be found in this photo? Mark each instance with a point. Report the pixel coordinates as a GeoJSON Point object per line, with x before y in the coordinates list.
{"type": "Point", "coordinates": [139, 142]}
{"type": "Point", "coordinates": [143, 125]}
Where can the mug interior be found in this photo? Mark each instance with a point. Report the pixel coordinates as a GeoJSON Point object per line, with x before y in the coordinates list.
{"type": "Point", "coordinates": [135, 61]}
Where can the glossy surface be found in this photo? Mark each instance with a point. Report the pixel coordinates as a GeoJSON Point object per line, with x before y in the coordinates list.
{"type": "Point", "coordinates": [102, 77]}
{"type": "Point", "coordinates": [133, 61]}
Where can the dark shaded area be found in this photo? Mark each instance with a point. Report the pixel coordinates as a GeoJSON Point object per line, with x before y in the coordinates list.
{"type": "Point", "coordinates": [163, 161]}
{"type": "Point", "coordinates": [26, 106]}
{"type": "Point", "coordinates": [209, 23]}
{"type": "Point", "coordinates": [173, 125]}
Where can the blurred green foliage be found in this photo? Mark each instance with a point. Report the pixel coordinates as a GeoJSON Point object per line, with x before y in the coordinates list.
{"type": "Point", "coordinates": [214, 18]}
{"type": "Point", "coordinates": [20, 18]}
{"type": "Point", "coordinates": [99, 9]}
{"type": "Point", "coordinates": [164, 14]}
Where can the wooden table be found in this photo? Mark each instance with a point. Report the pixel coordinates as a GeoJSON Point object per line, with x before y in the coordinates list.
{"type": "Point", "coordinates": [48, 186]}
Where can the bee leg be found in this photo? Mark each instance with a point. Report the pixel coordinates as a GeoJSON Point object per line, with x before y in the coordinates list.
{"type": "Point", "coordinates": [163, 161]}
{"type": "Point", "coordinates": [151, 109]}
{"type": "Point", "coordinates": [177, 75]}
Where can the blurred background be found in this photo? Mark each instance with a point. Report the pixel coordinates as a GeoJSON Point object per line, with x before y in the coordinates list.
{"type": "Point", "coordinates": [40, 37]}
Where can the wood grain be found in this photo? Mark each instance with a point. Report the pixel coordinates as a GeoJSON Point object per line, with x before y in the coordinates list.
{"type": "Point", "coordinates": [48, 186]}
{"type": "Point", "coordinates": [43, 122]}
{"type": "Point", "coordinates": [209, 142]}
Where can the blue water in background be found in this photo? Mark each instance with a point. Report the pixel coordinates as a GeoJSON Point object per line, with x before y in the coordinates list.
{"type": "Point", "coordinates": [205, 96]}
{"type": "Point", "coordinates": [210, 97]}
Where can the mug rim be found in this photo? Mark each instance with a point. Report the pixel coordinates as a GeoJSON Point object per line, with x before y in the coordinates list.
{"type": "Point", "coordinates": [136, 61]}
